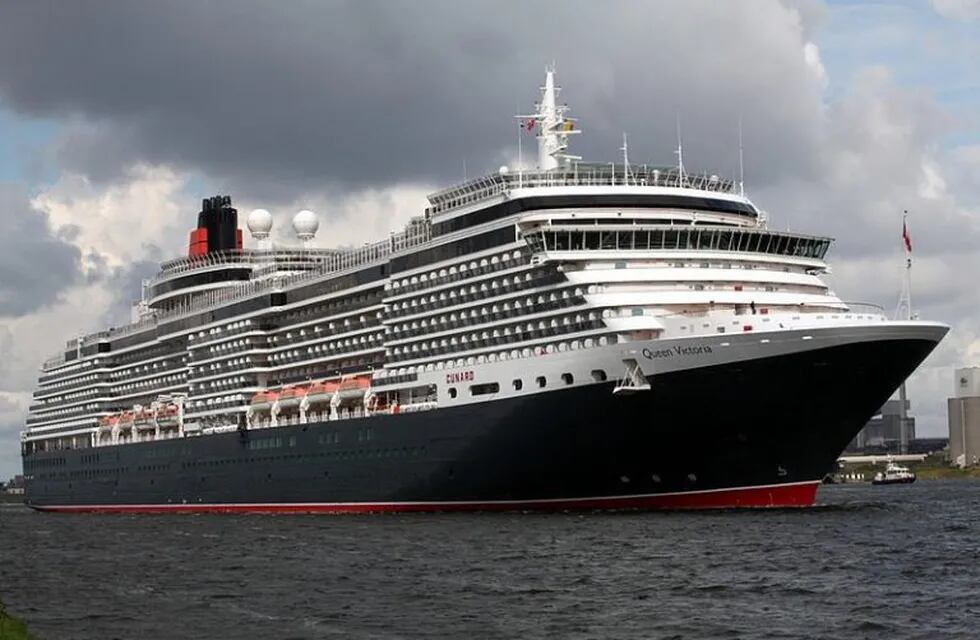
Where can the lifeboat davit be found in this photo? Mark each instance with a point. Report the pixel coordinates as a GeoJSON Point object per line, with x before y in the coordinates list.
{"type": "Point", "coordinates": [263, 400]}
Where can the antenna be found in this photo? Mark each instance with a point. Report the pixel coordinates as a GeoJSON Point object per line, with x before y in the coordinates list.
{"type": "Point", "coordinates": [626, 160]}
{"type": "Point", "coordinates": [741, 166]}
{"type": "Point", "coordinates": [680, 153]}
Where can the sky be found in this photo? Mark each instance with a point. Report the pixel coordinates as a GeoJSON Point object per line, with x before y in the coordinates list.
{"type": "Point", "coordinates": [116, 118]}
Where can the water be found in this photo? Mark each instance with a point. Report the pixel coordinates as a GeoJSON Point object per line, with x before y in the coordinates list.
{"type": "Point", "coordinates": [893, 562]}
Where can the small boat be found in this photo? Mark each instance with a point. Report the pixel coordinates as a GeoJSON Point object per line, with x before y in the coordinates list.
{"type": "Point", "coordinates": [263, 400]}
{"type": "Point", "coordinates": [167, 415]}
{"type": "Point", "coordinates": [353, 388]}
{"type": "Point", "coordinates": [321, 392]}
{"type": "Point", "coordinates": [291, 397]}
{"type": "Point", "coordinates": [894, 474]}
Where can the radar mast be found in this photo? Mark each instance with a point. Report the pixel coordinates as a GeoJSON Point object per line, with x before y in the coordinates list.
{"type": "Point", "coordinates": [552, 125]}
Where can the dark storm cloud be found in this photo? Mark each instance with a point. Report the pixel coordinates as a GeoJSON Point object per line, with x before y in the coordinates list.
{"type": "Point", "coordinates": [36, 265]}
{"type": "Point", "coordinates": [293, 96]}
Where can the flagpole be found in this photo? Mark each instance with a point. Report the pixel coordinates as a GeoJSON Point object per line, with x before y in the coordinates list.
{"type": "Point", "coordinates": [908, 263]}
{"type": "Point", "coordinates": [903, 417]}
{"type": "Point", "coordinates": [520, 155]}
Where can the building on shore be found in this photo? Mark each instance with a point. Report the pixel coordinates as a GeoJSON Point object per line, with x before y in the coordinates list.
{"type": "Point", "coordinates": [883, 432]}
{"type": "Point", "coordinates": [963, 411]}
{"type": "Point", "coordinates": [14, 486]}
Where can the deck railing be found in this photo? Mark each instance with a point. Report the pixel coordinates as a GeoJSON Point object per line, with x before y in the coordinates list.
{"type": "Point", "coordinates": [577, 175]}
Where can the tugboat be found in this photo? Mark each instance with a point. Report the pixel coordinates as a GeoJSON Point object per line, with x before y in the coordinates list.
{"type": "Point", "coordinates": [894, 474]}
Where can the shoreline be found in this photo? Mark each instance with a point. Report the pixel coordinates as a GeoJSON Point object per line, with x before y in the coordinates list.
{"type": "Point", "coordinates": [928, 469]}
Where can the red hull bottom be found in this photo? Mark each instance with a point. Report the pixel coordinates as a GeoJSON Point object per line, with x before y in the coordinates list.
{"type": "Point", "coordinates": [801, 494]}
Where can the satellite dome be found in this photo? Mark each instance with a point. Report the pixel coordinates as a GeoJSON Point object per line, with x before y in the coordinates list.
{"type": "Point", "coordinates": [259, 223]}
{"type": "Point", "coordinates": [305, 224]}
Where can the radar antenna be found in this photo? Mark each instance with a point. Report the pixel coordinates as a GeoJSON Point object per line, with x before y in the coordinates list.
{"type": "Point", "coordinates": [680, 154]}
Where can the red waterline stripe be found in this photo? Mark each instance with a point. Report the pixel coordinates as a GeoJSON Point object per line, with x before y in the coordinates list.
{"type": "Point", "coordinates": [788, 495]}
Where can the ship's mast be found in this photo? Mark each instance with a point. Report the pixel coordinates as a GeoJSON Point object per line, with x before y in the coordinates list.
{"type": "Point", "coordinates": [552, 126]}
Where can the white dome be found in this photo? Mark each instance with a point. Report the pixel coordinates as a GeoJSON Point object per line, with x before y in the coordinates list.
{"type": "Point", "coordinates": [259, 223]}
{"type": "Point", "coordinates": [305, 224]}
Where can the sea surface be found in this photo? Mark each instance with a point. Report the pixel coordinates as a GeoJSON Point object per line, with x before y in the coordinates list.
{"type": "Point", "coordinates": [891, 562]}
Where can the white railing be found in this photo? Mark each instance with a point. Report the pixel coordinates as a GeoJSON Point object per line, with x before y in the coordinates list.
{"type": "Point", "coordinates": [577, 175]}
{"type": "Point", "coordinates": [327, 265]}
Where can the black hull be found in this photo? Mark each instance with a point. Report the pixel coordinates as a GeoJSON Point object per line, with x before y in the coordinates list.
{"type": "Point", "coordinates": [776, 424]}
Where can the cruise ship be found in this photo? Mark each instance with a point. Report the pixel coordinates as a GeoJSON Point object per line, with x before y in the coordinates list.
{"type": "Point", "coordinates": [575, 336]}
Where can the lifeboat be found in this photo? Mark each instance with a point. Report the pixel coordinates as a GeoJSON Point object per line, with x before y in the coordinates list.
{"type": "Point", "coordinates": [167, 415]}
{"type": "Point", "coordinates": [263, 400]}
{"type": "Point", "coordinates": [126, 419]}
{"type": "Point", "coordinates": [106, 423]}
{"type": "Point", "coordinates": [292, 396]}
{"type": "Point", "coordinates": [353, 387]}
{"type": "Point", "coordinates": [143, 419]}
{"type": "Point", "coordinates": [321, 392]}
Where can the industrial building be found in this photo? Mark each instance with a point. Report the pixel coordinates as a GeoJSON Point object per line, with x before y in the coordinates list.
{"type": "Point", "coordinates": [884, 431]}
{"type": "Point", "coordinates": [963, 410]}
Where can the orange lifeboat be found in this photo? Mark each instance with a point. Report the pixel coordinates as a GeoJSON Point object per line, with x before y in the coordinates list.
{"type": "Point", "coordinates": [321, 391]}
{"type": "Point", "coordinates": [292, 396]}
{"type": "Point", "coordinates": [263, 400]}
{"type": "Point", "coordinates": [126, 419]}
{"type": "Point", "coordinates": [106, 423]}
{"type": "Point", "coordinates": [352, 387]}
{"type": "Point", "coordinates": [143, 419]}
{"type": "Point", "coordinates": [167, 415]}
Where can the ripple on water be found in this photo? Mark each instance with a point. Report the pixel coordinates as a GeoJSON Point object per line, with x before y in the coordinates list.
{"type": "Point", "coordinates": [866, 562]}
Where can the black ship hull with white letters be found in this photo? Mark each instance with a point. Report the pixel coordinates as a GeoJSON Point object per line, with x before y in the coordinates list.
{"type": "Point", "coordinates": [759, 432]}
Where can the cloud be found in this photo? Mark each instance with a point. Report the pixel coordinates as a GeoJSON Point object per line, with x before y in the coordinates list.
{"type": "Point", "coordinates": [276, 100]}
{"type": "Point", "coordinates": [958, 9]}
{"type": "Point", "coordinates": [146, 215]}
{"type": "Point", "coordinates": [37, 264]}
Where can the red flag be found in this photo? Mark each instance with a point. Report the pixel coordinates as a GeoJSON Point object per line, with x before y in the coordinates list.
{"type": "Point", "coordinates": [529, 125]}
{"type": "Point", "coordinates": [906, 237]}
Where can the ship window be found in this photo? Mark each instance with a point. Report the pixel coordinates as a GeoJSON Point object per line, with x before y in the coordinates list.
{"type": "Point", "coordinates": [567, 378]}
{"type": "Point", "coordinates": [452, 392]}
{"type": "Point", "coordinates": [599, 375]}
{"type": "Point", "coordinates": [542, 381]}
{"type": "Point", "coordinates": [592, 240]}
{"type": "Point", "coordinates": [484, 389]}
{"type": "Point", "coordinates": [518, 384]}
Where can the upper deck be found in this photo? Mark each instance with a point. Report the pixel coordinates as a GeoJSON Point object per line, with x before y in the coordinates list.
{"type": "Point", "coordinates": [597, 177]}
